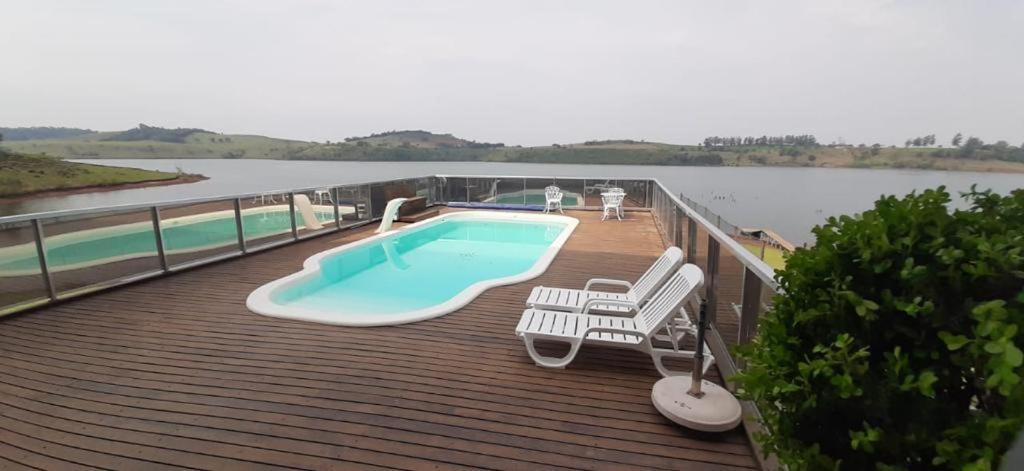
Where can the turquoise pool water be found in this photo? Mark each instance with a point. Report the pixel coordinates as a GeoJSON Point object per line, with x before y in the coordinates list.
{"type": "Point", "coordinates": [421, 269]}
{"type": "Point", "coordinates": [137, 240]}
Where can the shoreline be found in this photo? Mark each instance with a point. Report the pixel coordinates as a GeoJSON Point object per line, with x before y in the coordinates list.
{"type": "Point", "coordinates": [992, 166]}
{"type": "Point", "coordinates": [179, 180]}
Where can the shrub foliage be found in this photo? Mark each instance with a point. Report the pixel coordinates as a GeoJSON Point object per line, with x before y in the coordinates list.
{"type": "Point", "coordinates": [897, 343]}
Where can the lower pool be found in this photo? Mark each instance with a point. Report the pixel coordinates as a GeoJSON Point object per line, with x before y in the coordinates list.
{"type": "Point", "coordinates": [421, 271]}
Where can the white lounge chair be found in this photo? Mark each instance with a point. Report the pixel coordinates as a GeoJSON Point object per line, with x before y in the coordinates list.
{"type": "Point", "coordinates": [576, 300]}
{"type": "Point", "coordinates": [553, 199]}
{"type": "Point", "coordinates": [638, 332]}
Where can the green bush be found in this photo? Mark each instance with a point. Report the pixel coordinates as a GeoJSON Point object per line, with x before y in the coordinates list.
{"type": "Point", "coordinates": [896, 344]}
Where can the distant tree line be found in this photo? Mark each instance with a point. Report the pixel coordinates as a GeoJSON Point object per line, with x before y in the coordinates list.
{"type": "Point", "coordinates": [716, 142]}
{"type": "Point", "coordinates": [612, 142]}
{"type": "Point", "coordinates": [42, 132]}
{"type": "Point", "coordinates": [153, 133]}
{"type": "Point", "coordinates": [925, 141]}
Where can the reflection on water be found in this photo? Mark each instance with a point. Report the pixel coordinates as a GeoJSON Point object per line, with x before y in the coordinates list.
{"type": "Point", "coordinates": [788, 200]}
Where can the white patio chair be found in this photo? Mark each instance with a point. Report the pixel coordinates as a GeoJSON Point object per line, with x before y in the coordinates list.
{"type": "Point", "coordinates": [263, 198]}
{"type": "Point", "coordinates": [612, 201]}
{"type": "Point", "coordinates": [576, 300]}
{"type": "Point", "coordinates": [637, 333]}
{"type": "Point", "coordinates": [553, 199]}
{"type": "Point", "coordinates": [322, 195]}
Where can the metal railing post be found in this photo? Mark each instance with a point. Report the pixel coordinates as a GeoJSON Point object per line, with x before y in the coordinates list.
{"type": "Point", "coordinates": [239, 227]}
{"type": "Point", "coordinates": [369, 202]}
{"type": "Point", "coordinates": [337, 212]}
{"type": "Point", "coordinates": [712, 279]}
{"type": "Point", "coordinates": [158, 233]}
{"type": "Point", "coordinates": [679, 227]}
{"type": "Point", "coordinates": [750, 306]}
{"type": "Point", "coordinates": [44, 265]}
{"type": "Point", "coordinates": [691, 240]}
{"type": "Point", "coordinates": [291, 213]}
{"type": "Point", "coordinates": [524, 192]}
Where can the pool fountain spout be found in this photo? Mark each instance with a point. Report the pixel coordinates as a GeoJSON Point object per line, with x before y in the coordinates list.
{"type": "Point", "coordinates": [390, 215]}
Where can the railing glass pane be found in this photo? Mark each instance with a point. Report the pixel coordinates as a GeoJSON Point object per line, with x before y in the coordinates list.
{"type": "Point", "coordinates": [729, 293]}
{"type": "Point", "coordinates": [424, 188]}
{"type": "Point", "coordinates": [592, 190]}
{"type": "Point", "coordinates": [265, 219]}
{"type": "Point", "coordinates": [198, 231]}
{"type": "Point", "coordinates": [353, 203]}
{"type": "Point", "coordinates": [636, 193]}
{"type": "Point", "coordinates": [511, 191]}
{"type": "Point", "coordinates": [100, 248]}
{"type": "Point", "coordinates": [381, 193]}
{"type": "Point", "coordinates": [320, 203]}
{"type": "Point", "coordinates": [572, 192]}
{"type": "Point", "coordinates": [454, 189]}
{"type": "Point", "coordinates": [534, 193]}
{"type": "Point", "coordinates": [21, 279]}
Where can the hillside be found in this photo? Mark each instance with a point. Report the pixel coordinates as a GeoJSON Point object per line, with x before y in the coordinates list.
{"type": "Point", "coordinates": [418, 139]}
{"type": "Point", "coordinates": [25, 174]}
{"type": "Point", "coordinates": [784, 151]}
{"type": "Point", "coordinates": [41, 132]}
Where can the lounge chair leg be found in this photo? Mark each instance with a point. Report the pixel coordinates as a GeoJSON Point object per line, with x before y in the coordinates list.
{"type": "Point", "coordinates": [552, 362]}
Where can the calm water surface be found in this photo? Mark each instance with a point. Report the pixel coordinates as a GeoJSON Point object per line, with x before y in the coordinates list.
{"type": "Point", "coordinates": [788, 200]}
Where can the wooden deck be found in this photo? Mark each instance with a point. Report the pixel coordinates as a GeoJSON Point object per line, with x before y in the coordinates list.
{"type": "Point", "coordinates": [176, 373]}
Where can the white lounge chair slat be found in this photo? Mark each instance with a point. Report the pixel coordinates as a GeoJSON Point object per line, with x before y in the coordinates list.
{"type": "Point", "coordinates": [634, 332]}
{"type": "Point", "coordinates": [574, 300]}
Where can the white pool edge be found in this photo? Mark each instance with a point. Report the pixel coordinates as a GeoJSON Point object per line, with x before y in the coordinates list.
{"type": "Point", "coordinates": [260, 301]}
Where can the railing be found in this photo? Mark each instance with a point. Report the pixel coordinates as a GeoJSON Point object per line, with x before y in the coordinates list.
{"type": "Point", "coordinates": [738, 285]}
{"type": "Point", "coordinates": [53, 256]}
{"type": "Point", "coordinates": [711, 216]}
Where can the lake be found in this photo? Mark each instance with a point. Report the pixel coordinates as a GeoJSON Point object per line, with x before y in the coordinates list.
{"type": "Point", "coordinates": [789, 200]}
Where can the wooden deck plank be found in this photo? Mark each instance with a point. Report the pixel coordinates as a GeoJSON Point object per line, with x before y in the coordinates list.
{"type": "Point", "coordinates": [177, 371]}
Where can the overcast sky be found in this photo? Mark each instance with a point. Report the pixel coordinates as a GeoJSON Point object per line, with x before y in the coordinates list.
{"type": "Point", "coordinates": [520, 72]}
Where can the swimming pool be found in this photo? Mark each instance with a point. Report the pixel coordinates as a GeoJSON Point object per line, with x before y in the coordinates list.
{"type": "Point", "coordinates": [90, 247]}
{"type": "Point", "coordinates": [422, 271]}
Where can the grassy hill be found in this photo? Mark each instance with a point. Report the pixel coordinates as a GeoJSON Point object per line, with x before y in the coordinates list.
{"type": "Point", "coordinates": [23, 174]}
{"type": "Point", "coordinates": [153, 142]}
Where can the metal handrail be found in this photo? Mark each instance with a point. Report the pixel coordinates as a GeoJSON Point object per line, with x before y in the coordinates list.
{"type": "Point", "coordinates": [763, 271]}
{"type": "Point", "coordinates": [181, 202]}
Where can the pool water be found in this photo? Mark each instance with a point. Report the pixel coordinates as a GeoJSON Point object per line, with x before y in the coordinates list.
{"type": "Point", "coordinates": [91, 247]}
{"type": "Point", "coordinates": [537, 200]}
{"type": "Point", "coordinates": [421, 268]}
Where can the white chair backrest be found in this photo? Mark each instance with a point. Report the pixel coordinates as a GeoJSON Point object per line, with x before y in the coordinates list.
{"type": "Point", "coordinates": [664, 266]}
{"type": "Point", "coordinates": [612, 199]}
{"type": "Point", "coordinates": [616, 190]}
{"type": "Point", "coordinates": [553, 193]}
{"type": "Point", "coordinates": [663, 305]}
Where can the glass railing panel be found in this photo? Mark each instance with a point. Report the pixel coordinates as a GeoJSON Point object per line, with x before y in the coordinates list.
{"type": "Point", "coordinates": [198, 231]}
{"type": "Point", "coordinates": [729, 294]}
{"type": "Point", "coordinates": [381, 193]}
{"type": "Point", "coordinates": [592, 190]}
{"type": "Point", "coordinates": [21, 279]}
{"type": "Point", "coordinates": [482, 190]}
{"type": "Point", "coordinates": [424, 188]}
{"type": "Point", "coordinates": [314, 212]}
{"type": "Point", "coordinates": [266, 219]}
{"type": "Point", "coordinates": [511, 191]}
{"type": "Point", "coordinates": [454, 189]}
{"type": "Point", "coordinates": [353, 203]}
{"type": "Point", "coordinates": [99, 248]}
{"type": "Point", "coordinates": [636, 193]}
{"type": "Point", "coordinates": [572, 192]}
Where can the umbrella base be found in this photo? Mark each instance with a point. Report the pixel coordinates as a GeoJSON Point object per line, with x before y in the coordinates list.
{"type": "Point", "coordinates": [716, 411]}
